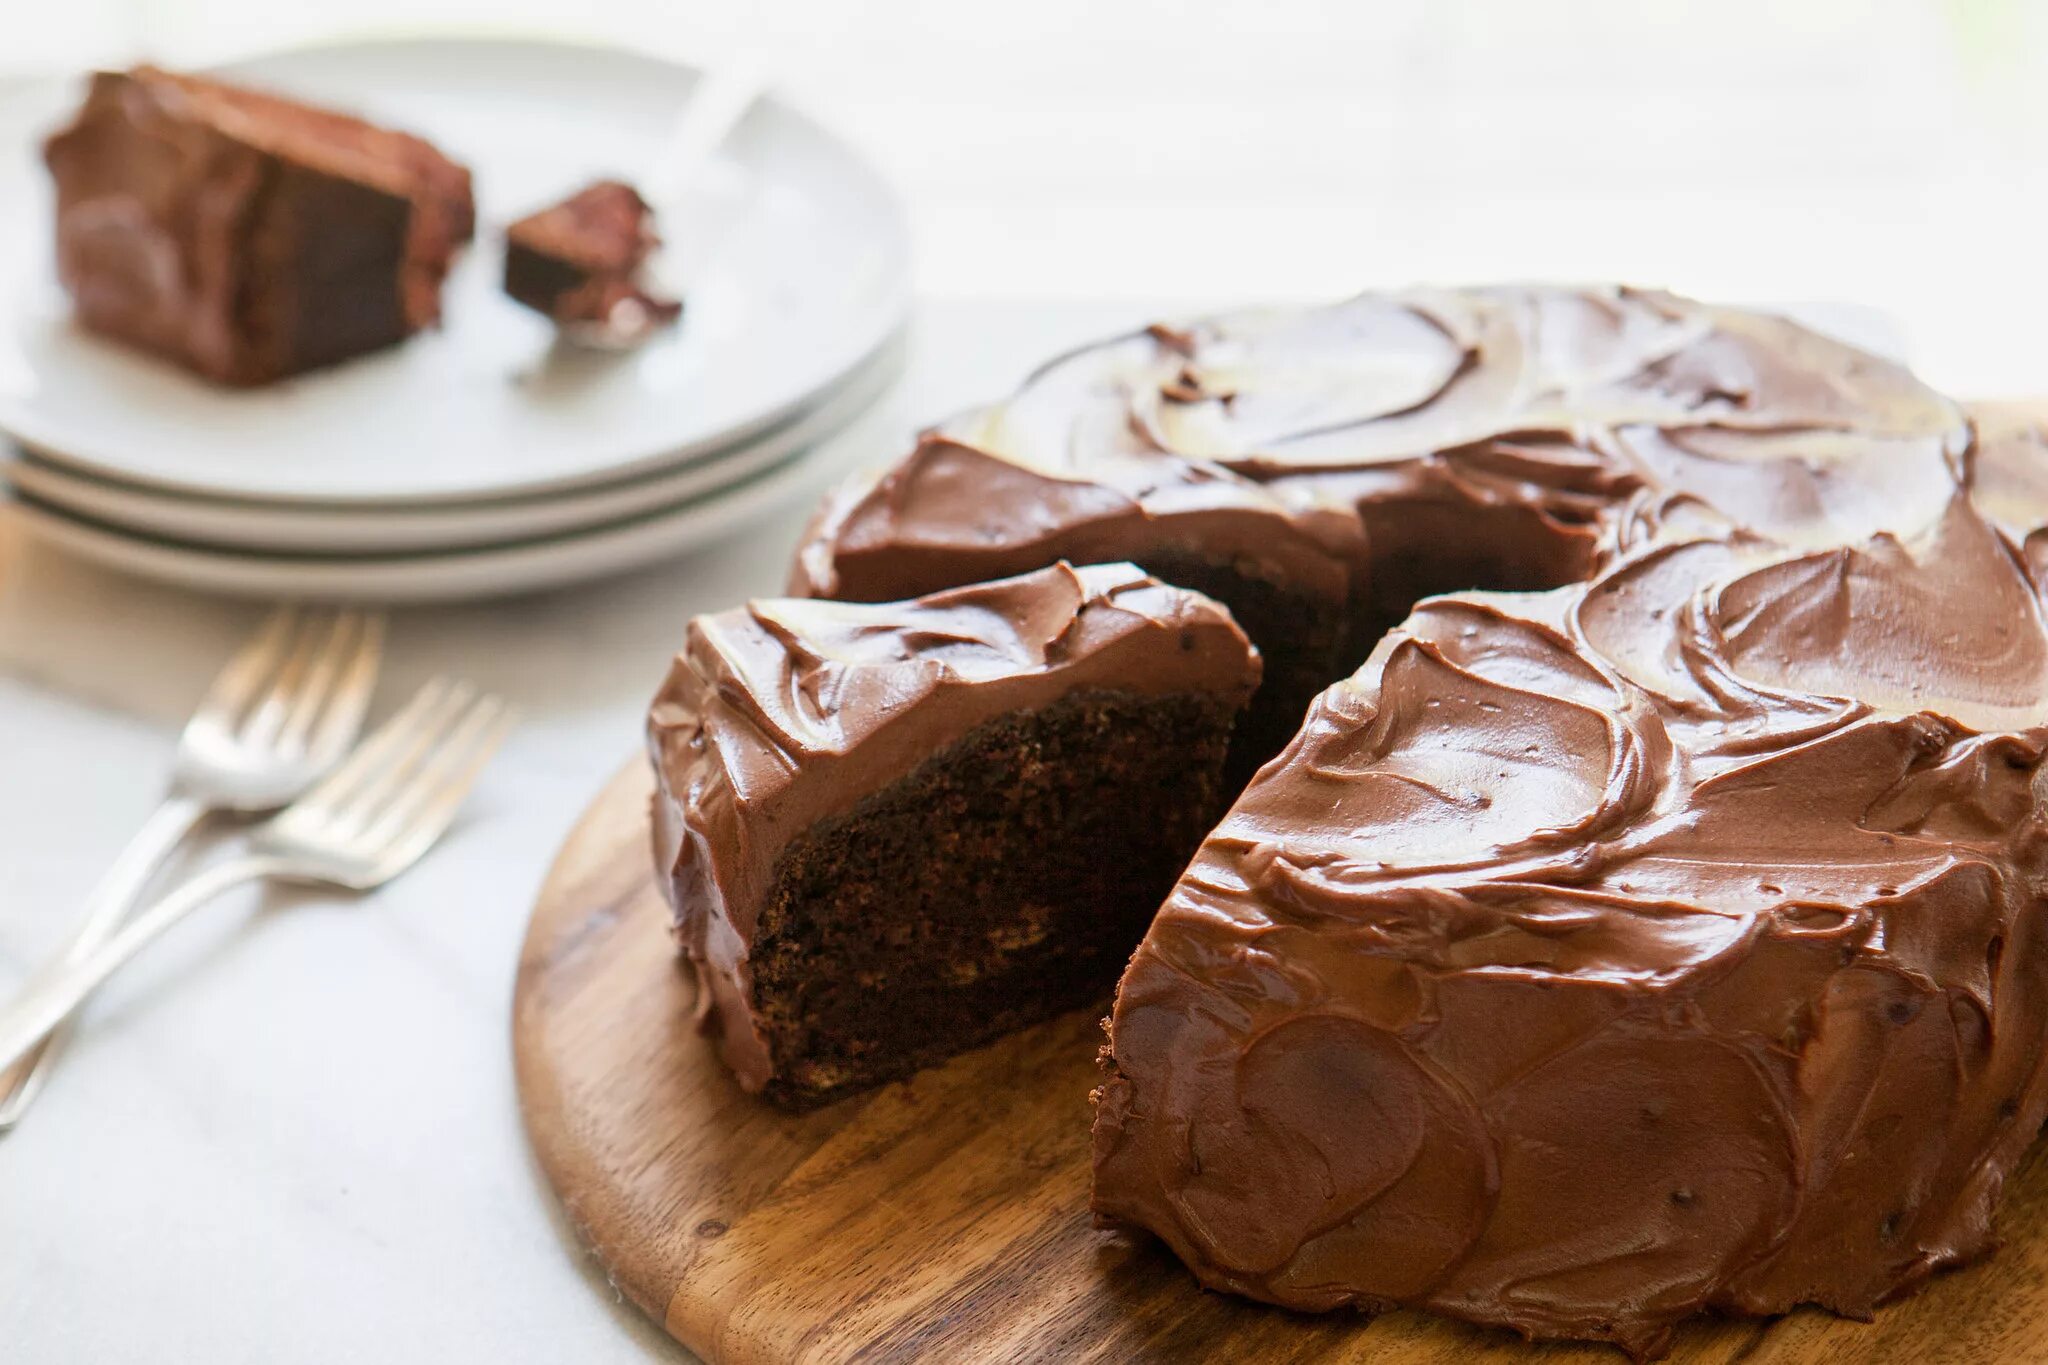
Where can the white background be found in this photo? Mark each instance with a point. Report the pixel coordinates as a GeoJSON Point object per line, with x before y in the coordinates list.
{"type": "Point", "coordinates": [292, 1136]}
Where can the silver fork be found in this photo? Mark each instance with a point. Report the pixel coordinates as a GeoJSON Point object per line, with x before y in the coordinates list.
{"type": "Point", "coordinates": [283, 711]}
{"type": "Point", "coordinates": [362, 825]}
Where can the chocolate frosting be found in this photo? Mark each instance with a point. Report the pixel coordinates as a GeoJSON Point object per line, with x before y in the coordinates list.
{"type": "Point", "coordinates": [782, 713]}
{"type": "Point", "coordinates": [1668, 940]}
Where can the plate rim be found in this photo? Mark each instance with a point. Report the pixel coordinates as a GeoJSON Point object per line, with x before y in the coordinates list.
{"type": "Point", "coordinates": [516, 568]}
{"type": "Point", "coordinates": [266, 528]}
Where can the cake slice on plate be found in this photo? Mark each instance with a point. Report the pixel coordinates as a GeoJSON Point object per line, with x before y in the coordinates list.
{"type": "Point", "coordinates": [892, 832]}
{"type": "Point", "coordinates": [245, 236]}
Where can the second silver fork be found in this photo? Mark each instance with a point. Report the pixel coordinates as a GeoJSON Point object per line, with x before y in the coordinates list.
{"type": "Point", "coordinates": [282, 713]}
{"type": "Point", "coordinates": [370, 819]}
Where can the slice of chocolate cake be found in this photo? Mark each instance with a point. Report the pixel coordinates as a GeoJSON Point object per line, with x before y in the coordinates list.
{"type": "Point", "coordinates": [892, 832]}
{"type": "Point", "coordinates": [245, 236]}
{"type": "Point", "coordinates": [579, 262]}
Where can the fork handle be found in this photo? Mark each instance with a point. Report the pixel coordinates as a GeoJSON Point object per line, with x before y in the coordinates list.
{"type": "Point", "coordinates": [53, 993]}
{"type": "Point", "coordinates": [166, 828]}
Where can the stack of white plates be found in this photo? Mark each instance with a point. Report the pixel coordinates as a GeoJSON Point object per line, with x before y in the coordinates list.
{"type": "Point", "coordinates": [483, 458]}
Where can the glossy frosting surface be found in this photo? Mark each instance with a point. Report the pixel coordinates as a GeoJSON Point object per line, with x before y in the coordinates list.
{"type": "Point", "coordinates": [782, 713]}
{"type": "Point", "coordinates": [1669, 939]}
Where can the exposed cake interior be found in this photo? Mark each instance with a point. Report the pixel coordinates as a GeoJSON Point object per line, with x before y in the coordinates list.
{"type": "Point", "coordinates": [1300, 636]}
{"type": "Point", "coordinates": [1004, 881]}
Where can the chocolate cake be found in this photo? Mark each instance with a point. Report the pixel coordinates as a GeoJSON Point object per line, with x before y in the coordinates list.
{"type": "Point", "coordinates": [245, 236]}
{"type": "Point", "coordinates": [1652, 924]}
{"type": "Point", "coordinates": [891, 832]}
{"type": "Point", "coordinates": [579, 262]}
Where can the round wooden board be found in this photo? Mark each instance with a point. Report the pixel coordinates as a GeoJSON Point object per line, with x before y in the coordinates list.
{"type": "Point", "coordinates": [946, 1218]}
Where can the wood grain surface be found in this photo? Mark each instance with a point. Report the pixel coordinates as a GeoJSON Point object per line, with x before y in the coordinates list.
{"type": "Point", "coordinates": [946, 1218]}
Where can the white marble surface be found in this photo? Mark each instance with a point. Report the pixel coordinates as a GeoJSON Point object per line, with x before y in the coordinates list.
{"type": "Point", "coordinates": [289, 1133]}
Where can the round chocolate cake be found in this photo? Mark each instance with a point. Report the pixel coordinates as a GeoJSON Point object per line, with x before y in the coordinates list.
{"type": "Point", "coordinates": [1653, 921]}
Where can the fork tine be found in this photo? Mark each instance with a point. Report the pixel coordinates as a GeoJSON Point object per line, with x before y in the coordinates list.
{"type": "Point", "coordinates": [332, 685]}
{"type": "Point", "coordinates": [370, 767]}
{"type": "Point", "coordinates": [255, 661]}
{"type": "Point", "coordinates": [344, 718]}
{"type": "Point", "coordinates": [264, 723]}
{"type": "Point", "coordinates": [419, 816]}
{"type": "Point", "coordinates": [437, 772]}
{"type": "Point", "coordinates": [298, 704]}
{"type": "Point", "coordinates": [368, 802]}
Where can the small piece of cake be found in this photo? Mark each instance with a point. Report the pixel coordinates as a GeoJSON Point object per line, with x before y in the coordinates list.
{"type": "Point", "coordinates": [579, 262]}
{"type": "Point", "coordinates": [245, 236]}
{"type": "Point", "coordinates": [893, 832]}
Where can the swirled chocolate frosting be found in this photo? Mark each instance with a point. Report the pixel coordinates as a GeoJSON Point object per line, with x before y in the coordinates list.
{"type": "Point", "coordinates": [1673, 938]}
{"type": "Point", "coordinates": [782, 713]}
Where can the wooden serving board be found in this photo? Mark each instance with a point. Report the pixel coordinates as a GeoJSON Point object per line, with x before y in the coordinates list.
{"type": "Point", "coordinates": [946, 1218]}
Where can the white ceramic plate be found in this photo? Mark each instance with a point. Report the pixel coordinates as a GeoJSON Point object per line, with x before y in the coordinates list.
{"type": "Point", "coordinates": [484, 572]}
{"type": "Point", "coordinates": [323, 529]}
{"type": "Point", "coordinates": [795, 247]}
